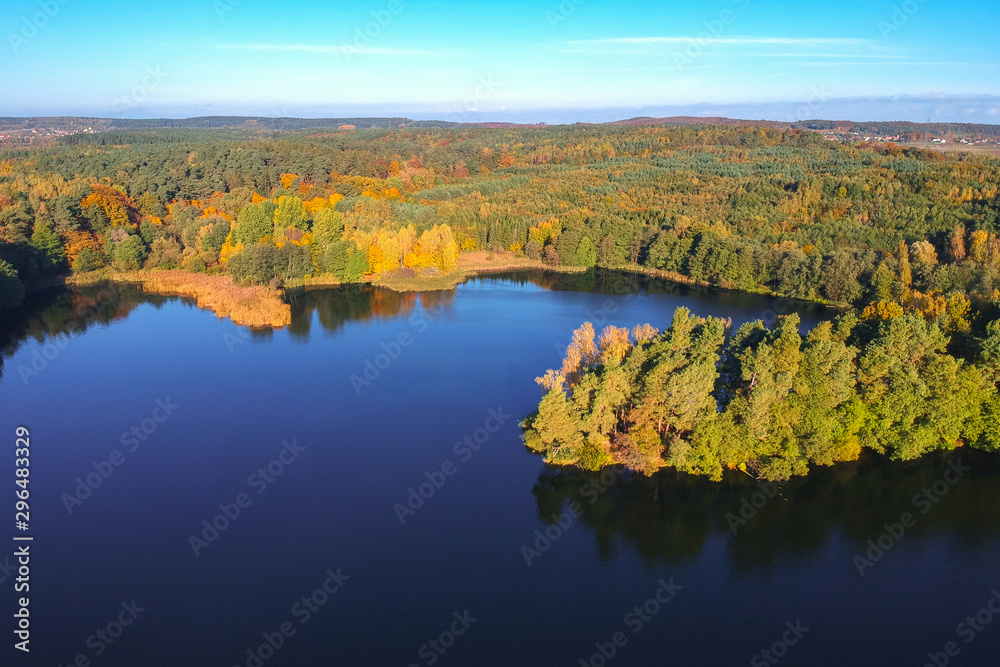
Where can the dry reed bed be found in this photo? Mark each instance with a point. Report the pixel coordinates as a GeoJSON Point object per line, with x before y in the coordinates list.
{"type": "Point", "coordinates": [252, 306]}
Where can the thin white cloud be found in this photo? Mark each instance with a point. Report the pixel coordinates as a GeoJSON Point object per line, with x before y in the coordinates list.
{"type": "Point", "coordinates": [329, 48]}
{"type": "Point", "coordinates": [796, 41]}
{"type": "Point", "coordinates": [825, 55]}
{"type": "Point", "coordinates": [840, 63]}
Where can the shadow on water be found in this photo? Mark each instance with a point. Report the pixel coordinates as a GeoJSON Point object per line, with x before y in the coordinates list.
{"type": "Point", "coordinates": [63, 311]}
{"type": "Point", "coordinates": [335, 307]}
{"type": "Point", "coordinates": [59, 312]}
{"type": "Point", "coordinates": [608, 281]}
{"type": "Point", "coordinates": [669, 517]}
{"type": "Point", "coordinates": [74, 309]}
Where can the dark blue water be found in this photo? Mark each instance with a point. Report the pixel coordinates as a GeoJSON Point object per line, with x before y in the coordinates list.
{"type": "Point", "coordinates": [316, 434]}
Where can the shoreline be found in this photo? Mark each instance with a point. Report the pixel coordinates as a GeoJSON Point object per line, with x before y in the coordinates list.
{"type": "Point", "coordinates": [246, 305]}
{"type": "Point", "coordinates": [469, 265]}
{"type": "Point", "coordinates": [259, 306]}
{"type": "Point", "coordinates": [684, 280]}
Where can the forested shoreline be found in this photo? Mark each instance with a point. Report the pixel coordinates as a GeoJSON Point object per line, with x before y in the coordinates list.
{"type": "Point", "coordinates": [745, 208]}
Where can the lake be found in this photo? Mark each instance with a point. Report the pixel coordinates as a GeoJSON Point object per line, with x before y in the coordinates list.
{"type": "Point", "coordinates": [353, 490]}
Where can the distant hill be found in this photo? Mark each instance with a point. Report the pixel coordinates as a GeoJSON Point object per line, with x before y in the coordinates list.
{"type": "Point", "coordinates": [30, 130]}
{"type": "Point", "coordinates": [697, 120]}
{"type": "Point", "coordinates": [266, 123]}
{"type": "Point", "coordinates": [905, 129]}
{"type": "Point", "coordinates": [902, 127]}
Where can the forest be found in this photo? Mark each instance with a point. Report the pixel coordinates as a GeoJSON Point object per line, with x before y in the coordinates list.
{"type": "Point", "coordinates": [904, 239]}
{"type": "Point", "coordinates": [769, 401]}
{"type": "Point", "coordinates": [747, 208]}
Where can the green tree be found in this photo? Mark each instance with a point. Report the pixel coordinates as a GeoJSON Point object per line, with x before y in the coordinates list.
{"type": "Point", "coordinates": [86, 261]}
{"type": "Point", "coordinates": [129, 253]}
{"type": "Point", "coordinates": [918, 398]}
{"type": "Point", "coordinates": [991, 349]}
{"type": "Point", "coordinates": [357, 266]}
{"type": "Point", "coordinates": [11, 289]}
{"type": "Point", "coordinates": [52, 255]}
{"type": "Point", "coordinates": [824, 399]}
{"type": "Point", "coordinates": [328, 228]}
{"type": "Point", "coordinates": [882, 283]}
{"type": "Point", "coordinates": [254, 223]}
{"type": "Point", "coordinates": [586, 253]}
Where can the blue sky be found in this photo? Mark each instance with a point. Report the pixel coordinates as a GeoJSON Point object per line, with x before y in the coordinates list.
{"type": "Point", "coordinates": [553, 60]}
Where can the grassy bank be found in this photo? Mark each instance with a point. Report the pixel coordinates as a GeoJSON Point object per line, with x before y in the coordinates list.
{"type": "Point", "coordinates": [469, 265]}
{"type": "Point", "coordinates": [253, 306]}
{"type": "Point", "coordinates": [675, 277]}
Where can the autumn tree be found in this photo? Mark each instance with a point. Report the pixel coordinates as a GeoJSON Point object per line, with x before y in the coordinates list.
{"type": "Point", "coordinates": [956, 244]}
{"type": "Point", "coordinates": [924, 253]}
{"type": "Point", "coordinates": [165, 253]}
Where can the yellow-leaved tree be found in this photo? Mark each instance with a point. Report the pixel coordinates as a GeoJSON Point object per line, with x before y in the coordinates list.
{"type": "Point", "coordinates": [437, 247]}
{"type": "Point", "coordinates": [384, 254]}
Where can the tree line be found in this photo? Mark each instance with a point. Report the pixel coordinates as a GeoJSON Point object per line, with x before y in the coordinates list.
{"type": "Point", "coordinates": [740, 207]}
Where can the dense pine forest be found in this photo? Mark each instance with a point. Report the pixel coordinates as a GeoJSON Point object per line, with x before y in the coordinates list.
{"type": "Point", "coordinates": [905, 238]}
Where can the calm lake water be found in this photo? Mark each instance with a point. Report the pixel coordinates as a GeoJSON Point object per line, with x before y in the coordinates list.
{"type": "Point", "coordinates": [373, 448]}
